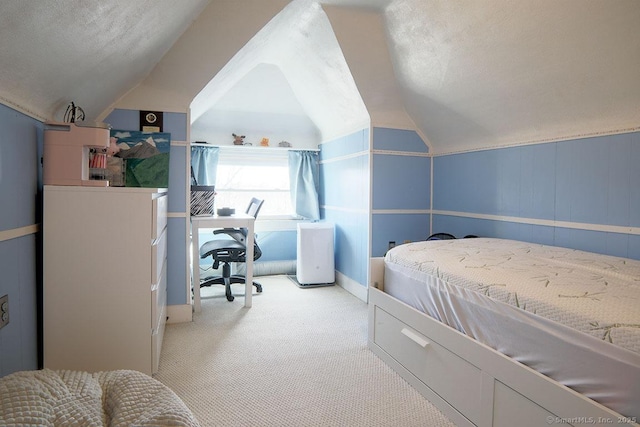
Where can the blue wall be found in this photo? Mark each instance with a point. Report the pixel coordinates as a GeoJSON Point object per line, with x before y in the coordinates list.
{"type": "Point", "coordinates": [344, 201]}
{"type": "Point", "coordinates": [401, 181]}
{"type": "Point", "coordinates": [278, 245]}
{"type": "Point", "coordinates": [177, 237]}
{"type": "Point", "coordinates": [582, 194]}
{"type": "Point", "coordinates": [20, 206]}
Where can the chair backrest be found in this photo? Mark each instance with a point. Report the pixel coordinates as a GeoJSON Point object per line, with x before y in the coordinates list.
{"type": "Point", "coordinates": [441, 236]}
{"type": "Point", "coordinates": [254, 207]}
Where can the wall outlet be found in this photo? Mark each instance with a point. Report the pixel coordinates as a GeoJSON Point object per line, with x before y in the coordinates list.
{"type": "Point", "coordinates": [4, 310]}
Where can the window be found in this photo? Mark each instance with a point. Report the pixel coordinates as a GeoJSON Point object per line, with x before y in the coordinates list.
{"type": "Point", "coordinates": [246, 172]}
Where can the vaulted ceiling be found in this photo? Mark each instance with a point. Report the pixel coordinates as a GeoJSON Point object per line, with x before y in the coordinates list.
{"type": "Point", "coordinates": [465, 75]}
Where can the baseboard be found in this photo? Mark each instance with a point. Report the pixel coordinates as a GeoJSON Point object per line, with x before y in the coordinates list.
{"type": "Point", "coordinates": [268, 268]}
{"type": "Point", "coordinates": [294, 279]}
{"type": "Point", "coordinates": [377, 273]}
{"type": "Point", "coordinates": [179, 313]}
{"type": "Point", "coordinates": [351, 286]}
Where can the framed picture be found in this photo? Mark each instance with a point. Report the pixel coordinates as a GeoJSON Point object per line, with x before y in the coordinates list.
{"type": "Point", "coordinates": [151, 121]}
{"type": "Point", "coordinates": [145, 155]}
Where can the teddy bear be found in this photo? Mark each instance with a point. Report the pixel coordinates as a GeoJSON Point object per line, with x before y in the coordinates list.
{"type": "Point", "coordinates": [238, 139]}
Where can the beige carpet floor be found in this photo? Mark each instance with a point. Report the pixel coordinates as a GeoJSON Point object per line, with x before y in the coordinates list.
{"type": "Point", "coordinates": [298, 357]}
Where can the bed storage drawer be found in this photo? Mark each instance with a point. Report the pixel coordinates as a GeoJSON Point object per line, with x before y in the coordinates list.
{"type": "Point", "coordinates": [510, 405]}
{"type": "Point", "coordinates": [451, 377]}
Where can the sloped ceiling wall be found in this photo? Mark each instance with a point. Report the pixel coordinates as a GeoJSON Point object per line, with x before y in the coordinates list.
{"type": "Point", "coordinates": [88, 51]}
{"type": "Point", "coordinates": [466, 75]}
{"type": "Point", "coordinates": [493, 72]}
{"type": "Point", "coordinates": [220, 31]}
{"type": "Point", "coordinates": [363, 39]}
{"type": "Point", "coordinates": [261, 104]}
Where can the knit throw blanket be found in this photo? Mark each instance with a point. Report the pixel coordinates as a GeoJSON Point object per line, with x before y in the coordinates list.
{"type": "Point", "coordinates": [74, 398]}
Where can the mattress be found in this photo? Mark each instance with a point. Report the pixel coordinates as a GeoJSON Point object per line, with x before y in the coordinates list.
{"type": "Point", "coordinates": [571, 315]}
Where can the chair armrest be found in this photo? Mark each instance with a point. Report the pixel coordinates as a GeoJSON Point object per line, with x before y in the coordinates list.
{"type": "Point", "coordinates": [239, 234]}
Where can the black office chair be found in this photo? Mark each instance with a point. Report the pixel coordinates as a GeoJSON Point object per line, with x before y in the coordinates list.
{"type": "Point", "coordinates": [228, 250]}
{"type": "Point", "coordinates": [441, 236]}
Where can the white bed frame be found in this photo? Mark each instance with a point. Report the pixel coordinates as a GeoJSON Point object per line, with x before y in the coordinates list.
{"type": "Point", "coordinates": [472, 384]}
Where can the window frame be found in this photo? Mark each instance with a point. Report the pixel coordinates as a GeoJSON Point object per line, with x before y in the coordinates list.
{"type": "Point", "coordinates": [244, 155]}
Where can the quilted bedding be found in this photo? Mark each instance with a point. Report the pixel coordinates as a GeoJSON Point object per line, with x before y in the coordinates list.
{"type": "Point", "coordinates": [74, 398]}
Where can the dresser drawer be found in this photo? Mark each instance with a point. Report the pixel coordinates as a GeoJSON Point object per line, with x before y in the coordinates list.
{"type": "Point", "coordinates": [158, 299]}
{"type": "Point", "coordinates": [435, 366]}
{"type": "Point", "coordinates": [159, 215]}
{"type": "Point", "coordinates": [158, 257]}
{"type": "Point", "coordinates": [157, 337]}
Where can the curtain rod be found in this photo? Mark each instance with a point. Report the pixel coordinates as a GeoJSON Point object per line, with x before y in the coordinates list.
{"type": "Point", "coordinates": [249, 147]}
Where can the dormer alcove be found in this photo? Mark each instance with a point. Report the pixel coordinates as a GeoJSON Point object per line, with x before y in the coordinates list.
{"type": "Point", "coordinates": [260, 105]}
{"type": "Point", "coordinates": [289, 82]}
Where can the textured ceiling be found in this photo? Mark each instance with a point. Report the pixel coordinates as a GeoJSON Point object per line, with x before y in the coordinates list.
{"type": "Point", "coordinates": [465, 75]}
{"type": "Point", "coordinates": [88, 51]}
{"type": "Point", "coordinates": [496, 72]}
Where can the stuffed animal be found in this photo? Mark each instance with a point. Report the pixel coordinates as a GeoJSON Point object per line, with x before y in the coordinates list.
{"type": "Point", "coordinates": [238, 139]}
{"type": "Point", "coordinates": [113, 146]}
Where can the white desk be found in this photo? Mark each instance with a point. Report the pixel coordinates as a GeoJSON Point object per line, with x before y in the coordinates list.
{"type": "Point", "coordinates": [240, 220]}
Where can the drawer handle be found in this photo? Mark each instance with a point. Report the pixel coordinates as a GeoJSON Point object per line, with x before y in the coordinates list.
{"type": "Point", "coordinates": [415, 337]}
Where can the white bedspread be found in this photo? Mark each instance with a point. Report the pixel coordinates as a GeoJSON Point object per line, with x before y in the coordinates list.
{"type": "Point", "coordinates": [571, 315]}
{"type": "Point", "coordinates": [73, 398]}
{"type": "Point", "coordinates": [592, 293]}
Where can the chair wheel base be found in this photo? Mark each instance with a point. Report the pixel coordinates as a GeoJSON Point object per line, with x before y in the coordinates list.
{"type": "Point", "coordinates": [221, 280]}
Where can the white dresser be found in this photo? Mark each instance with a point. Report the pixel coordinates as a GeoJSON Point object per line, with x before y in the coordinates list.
{"type": "Point", "coordinates": [105, 281]}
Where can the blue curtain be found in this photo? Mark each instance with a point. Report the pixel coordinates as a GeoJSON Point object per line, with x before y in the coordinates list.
{"type": "Point", "coordinates": [303, 176]}
{"type": "Point", "coordinates": [204, 165]}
